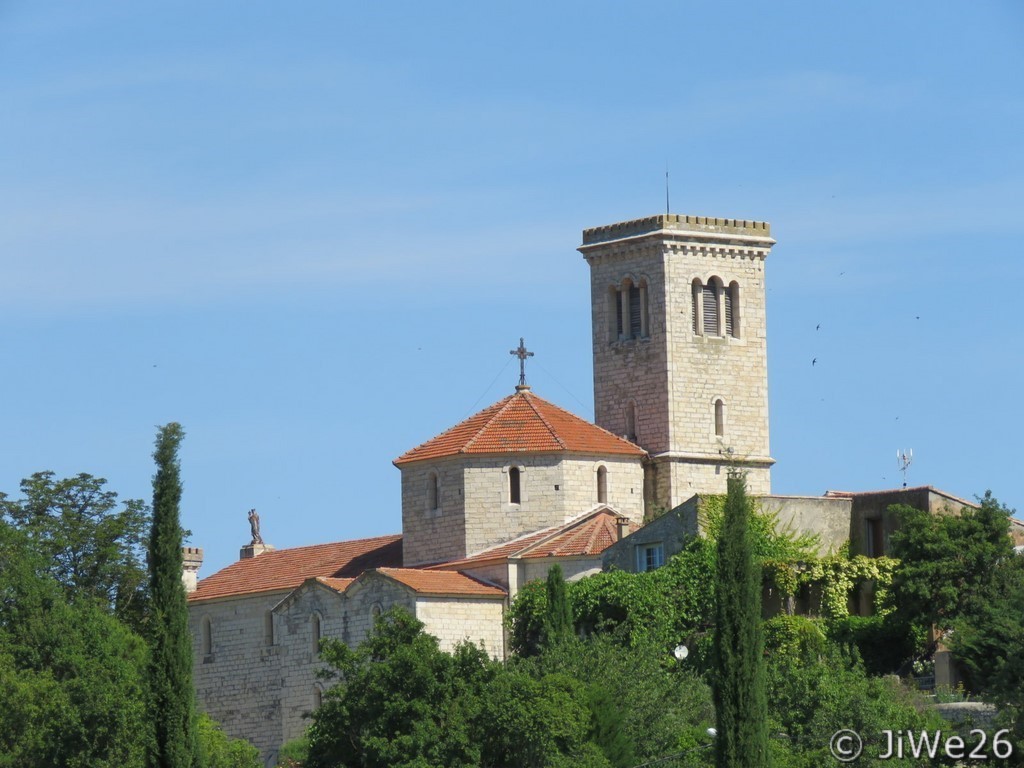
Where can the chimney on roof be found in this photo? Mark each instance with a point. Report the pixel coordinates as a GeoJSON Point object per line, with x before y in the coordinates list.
{"type": "Point", "coordinates": [621, 528]}
{"type": "Point", "coordinates": [191, 561]}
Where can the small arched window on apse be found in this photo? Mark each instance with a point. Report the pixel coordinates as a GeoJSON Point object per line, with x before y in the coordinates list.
{"type": "Point", "coordinates": [514, 490]}
{"type": "Point", "coordinates": [732, 310]}
{"type": "Point", "coordinates": [719, 417]}
{"type": "Point", "coordinates": [318, 697]}
{"type": "Point", "coordinates": [602, 485]}
{"type": "Point", "coordinates": [376, 610]}
{"type": "Point", "coordinates": [711, 313]}
{"type": "Point", "coordinates": [315, 632]}
{"type": "Point", "coordinates": [631, 421]}
{"type": "Point", "coordinates": [433, 492]}
{"type": "Point", "coordinates": [268, 628]}
{"type": "Point", "coordinates": [207, 637]}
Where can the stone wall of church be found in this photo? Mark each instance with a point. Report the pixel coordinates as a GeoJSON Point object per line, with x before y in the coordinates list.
{"type": "Point", "coordinates": [554, 488]}
{"type": "Point", "coordinates": [347, 617]}
{"type": "Point", "coordinates": [239, 683]}
{"type": "Point", "coordinates": [476, 511]}
{"type": "Point", "coordinates": [457, 620]}
{"type": "Point", "coordinates": [433, 535]}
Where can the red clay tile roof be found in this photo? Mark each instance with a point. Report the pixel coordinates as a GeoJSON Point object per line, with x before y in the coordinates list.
{"type": "Point", "coordinates": [522, 423]}
{"type": "Point", "coordinates": [589, 534]}
{"type": "Point", "coordinates": [590, 537]}
{"type": "Point", "coordinates": [288, 568]}
{"type": "Point", "coordinates": [442, 582]}
{"type": "Point", "coordinates": [338, 585]}
{"type": "Point", "coordinates": [501, 551]}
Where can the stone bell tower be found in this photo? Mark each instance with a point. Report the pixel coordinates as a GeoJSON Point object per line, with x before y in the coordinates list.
{"type": "Point", "coordinates": [680, 348]}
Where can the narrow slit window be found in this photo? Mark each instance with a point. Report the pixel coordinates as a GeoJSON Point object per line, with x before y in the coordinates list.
{"type": "Point", "coordinates": [719, 418]}
{"type": "Point", "coordinates": [268, 628]}
{"type": "Point", "coordinates": [602, 485]}
{"type": "Point", "coordinates": [631, 421]}
{"type": "Point", "coordinates": [207, 639]}
{"type": "Point", "coordinates": [433, 492]}
{"type": "Point", "coordinates": [514, 480]}
{"type": "Point", "coordinates": [314, 626]}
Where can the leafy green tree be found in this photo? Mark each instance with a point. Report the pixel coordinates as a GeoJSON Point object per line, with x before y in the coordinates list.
{"type": "Point", "coordinates": [661, 706]}
{"type": "Point", "coordinates": [813, 695]}
{"type": "Point", "coordinates": [532, 722]}
{"type": "Point", "coordinates": [607, 730]}
{"type": "Point", "coordinates": [400, 701]}
{"type": "Point", "coordinates": [172, 699]}
{"type": "Point", "coordinates": [988, 644]}
{"type": "Point", "coordinates": [218, 750]}
{"type": "Point", "coordinates": [91, 546]}
{"type": "Point", "coordinates": [558, 621]}
{"type": "Point", "coordinates": [72, 681]}
{"type": "Point", "coordinates": [948, 562]}
{"type": "Point", "coordinates": [741, 704]}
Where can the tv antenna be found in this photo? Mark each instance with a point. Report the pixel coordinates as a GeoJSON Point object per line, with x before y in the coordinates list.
{"type": "Point", "coordinates": [904, 459]}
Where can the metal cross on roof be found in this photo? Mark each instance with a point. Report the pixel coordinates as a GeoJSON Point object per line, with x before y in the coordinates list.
{"type": "Point", "coordinates": [522, 354]}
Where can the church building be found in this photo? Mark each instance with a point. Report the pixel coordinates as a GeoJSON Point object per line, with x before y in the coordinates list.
{"type": "Point", "coordinates": [681, 396]}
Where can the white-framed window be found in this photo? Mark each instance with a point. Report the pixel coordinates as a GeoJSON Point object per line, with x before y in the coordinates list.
{"type": "Point", "coordinates": [649, 556]}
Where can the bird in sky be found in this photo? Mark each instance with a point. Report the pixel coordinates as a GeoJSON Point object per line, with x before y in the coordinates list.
{"type": "Point", "coordinates": [817, 327]}
{"type": "Point", "coordinates": [814, 361]}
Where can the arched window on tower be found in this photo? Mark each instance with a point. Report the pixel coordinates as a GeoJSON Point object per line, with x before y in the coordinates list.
{"type": "Point", "coordinates": [602, 485]}
{"type": "Point", "coordinates": [513, 485]}
{"type": "Point", "coordinates": [627, 311]}
{"type": "Point", "coordinates": [732, 310]}
{"type": "Point", "coordinates": [697, 291]}
{"type": "Point", "coordinates": [712, 313]}
{"type": "Point", "coordinates": [719, 418]}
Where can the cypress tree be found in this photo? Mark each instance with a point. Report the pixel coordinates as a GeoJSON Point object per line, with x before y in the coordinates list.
{"type": "Point", "coordinates": [172, 699]}
{"type": "Point", "coordinates": [558, 623]}
{"type": "Point", "coordinates": [741, 702]}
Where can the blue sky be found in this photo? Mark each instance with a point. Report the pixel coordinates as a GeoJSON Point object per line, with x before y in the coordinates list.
{"type": "Point", "coordinates": [312, 232]}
